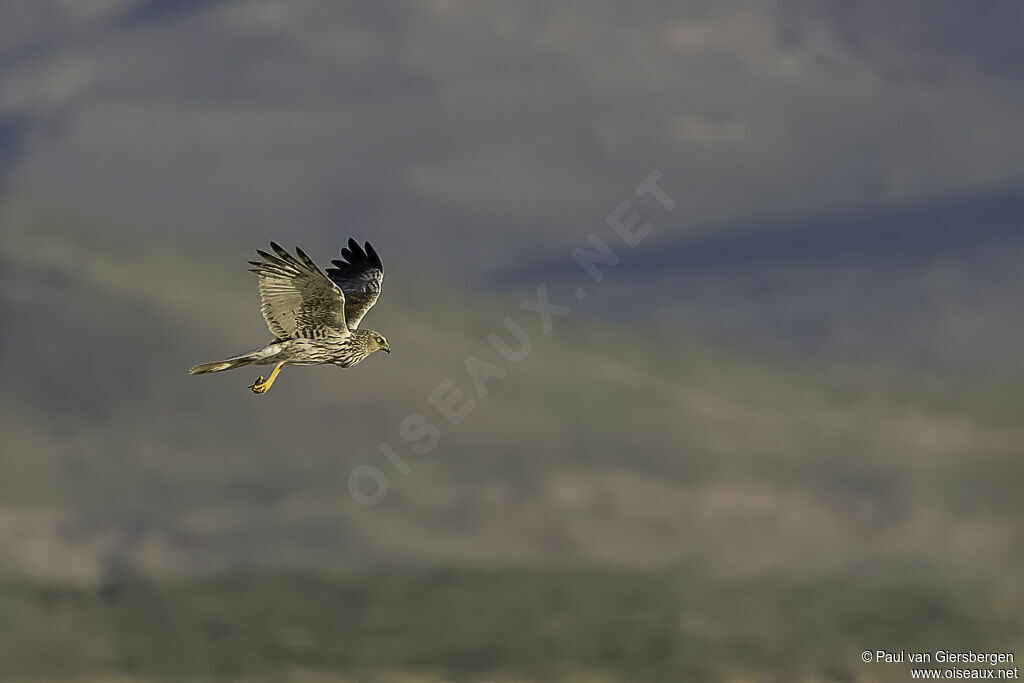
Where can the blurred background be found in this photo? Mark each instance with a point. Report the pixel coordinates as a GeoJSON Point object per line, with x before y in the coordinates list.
{"type": "Point", "coordinates": [786, 428]}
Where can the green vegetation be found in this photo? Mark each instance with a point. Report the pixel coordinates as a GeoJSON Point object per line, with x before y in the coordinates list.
{"type": "Point", "coordinates": [488, 624]}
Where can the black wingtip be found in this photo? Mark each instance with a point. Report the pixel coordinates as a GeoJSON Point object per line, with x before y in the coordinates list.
{"type": "Point", "coordinates": [372, 254]}
{"type": "Point", "coordinates": [356, 258]}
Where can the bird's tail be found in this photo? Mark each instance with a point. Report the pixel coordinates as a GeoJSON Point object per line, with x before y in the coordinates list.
{"type": "Point", "coordinates": [229, 364]}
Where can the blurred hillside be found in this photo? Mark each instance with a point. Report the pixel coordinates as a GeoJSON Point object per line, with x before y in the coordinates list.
{"type": "Point", "coordinates": [624, 505]}
{"type": "Point", "coordinates": [785, 429]}
{"type": "Point", "coordinates": [607, 446]}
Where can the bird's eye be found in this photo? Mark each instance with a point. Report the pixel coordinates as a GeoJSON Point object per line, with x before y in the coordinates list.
{"type": "Point", "coordinates": [380, 340]}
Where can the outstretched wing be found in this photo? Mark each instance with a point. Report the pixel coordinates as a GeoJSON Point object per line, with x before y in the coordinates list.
{"type": "Point", "coordinates": [359, 275]}
{"type": "Point", "coordinates": [298, 299]}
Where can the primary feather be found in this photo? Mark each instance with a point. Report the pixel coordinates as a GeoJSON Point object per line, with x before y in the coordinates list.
{"type": "Point", "coordinates": [359, 274]}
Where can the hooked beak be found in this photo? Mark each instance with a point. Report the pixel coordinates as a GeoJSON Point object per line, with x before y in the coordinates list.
{"type": "Point", "coordinates": [386, 349]}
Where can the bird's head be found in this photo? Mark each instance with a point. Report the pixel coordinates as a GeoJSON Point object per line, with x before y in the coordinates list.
{"type": "Point", "coordinates": [378, 342]}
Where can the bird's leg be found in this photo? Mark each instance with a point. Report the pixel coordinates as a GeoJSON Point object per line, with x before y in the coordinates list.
{"type": "Point", "coordinates": [261, 386]}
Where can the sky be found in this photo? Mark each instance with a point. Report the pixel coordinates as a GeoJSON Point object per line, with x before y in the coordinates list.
{"type": "Point", "coordinates": [510, 122]}
{"type": "Point", "coordinates": [506, 133]}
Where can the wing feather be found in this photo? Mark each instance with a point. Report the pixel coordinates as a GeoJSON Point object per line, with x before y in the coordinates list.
{"type": "Point", "coordinates": [299, 300]}
{"type": "Point", "coordinates": [359, 274]}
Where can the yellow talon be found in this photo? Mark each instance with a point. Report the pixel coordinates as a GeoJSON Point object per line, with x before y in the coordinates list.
{"type": "Point", "coordinates": [262, 386]}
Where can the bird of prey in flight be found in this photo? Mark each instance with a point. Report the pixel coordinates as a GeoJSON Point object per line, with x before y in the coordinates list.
{"type": "Point", "coordinates": [314, 316]}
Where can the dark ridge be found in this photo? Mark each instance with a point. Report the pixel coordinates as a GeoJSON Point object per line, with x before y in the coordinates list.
{"type": "Point", "coordinates": [161, 10]}
{"type": "Point", "coordinates": [894, 235]}
{"type": "Point", "coordinates": [14, 131]}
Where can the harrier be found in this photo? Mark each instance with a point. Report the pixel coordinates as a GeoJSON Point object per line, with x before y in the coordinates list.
{"type": "Point", "coordinates": [313, 316]}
